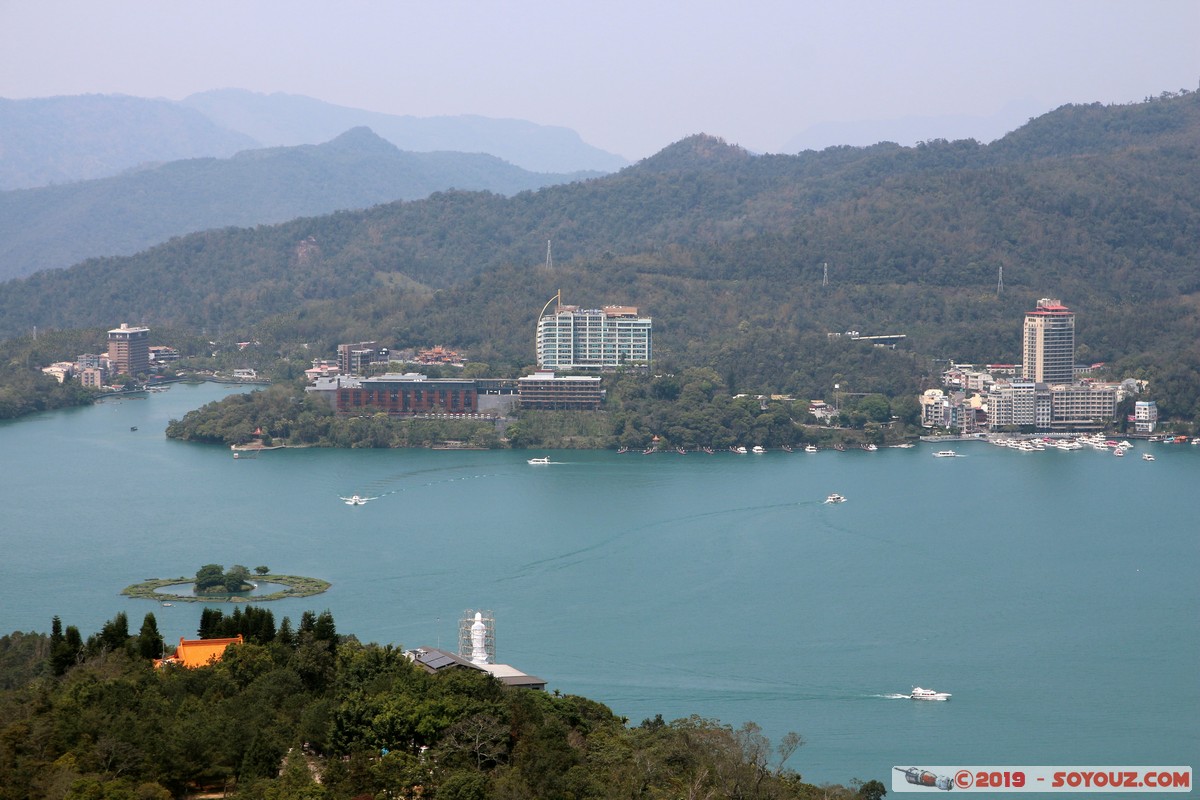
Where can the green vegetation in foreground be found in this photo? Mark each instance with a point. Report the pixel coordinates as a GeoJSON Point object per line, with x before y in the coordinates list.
{"type": "Point", "coordinates": [305, 713]}
{"type": "Point", "coordinates": [214, 584]}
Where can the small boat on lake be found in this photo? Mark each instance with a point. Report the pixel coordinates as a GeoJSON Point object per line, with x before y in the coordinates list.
{"type": "Point", "coordinates": [810, 448]}
{"type": "Point", "coordinates": [1147, 457]}
{"type": "Point", "coordinates": [835, 498]}
{"type": "Point", "coordinates": [542, 460]}
{"type": "Point", "coordinates": [356, 500]}
{"type": "Point", "coordinates": [945, 454]}
{"type": "Point", "coordinates": [758, 448]}
{"type": "Point", "coordinates": [928, 694]}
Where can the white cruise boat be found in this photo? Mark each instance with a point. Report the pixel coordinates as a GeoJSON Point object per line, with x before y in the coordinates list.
{"type": "Point", "coordinates": [356, 500]}
{"type": "Point", "coordinates": [758, 448]}
{"type": "Point", "coordinates": [928, 694]}
{"type": "Point", "coordinates": [945, 454]}
{"type": "Point", "coordinates": [810, 448]}
{"type": "Point", "coordinates": [835, 498]}
{"type": "Point", "coordinates": [542, 460]}
{"type": "Point", "coordinates": [1147, 457]}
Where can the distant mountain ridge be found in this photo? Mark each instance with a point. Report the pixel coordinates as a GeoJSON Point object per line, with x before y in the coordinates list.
{"type": "Point", "coordinates": [1093, 204]}
{"type": "Point", "coordinates": [287, 119]}
{"type": "Point", "coordinates": [57, 140]}
{"type": "Point", "coordinates": [140, 208]}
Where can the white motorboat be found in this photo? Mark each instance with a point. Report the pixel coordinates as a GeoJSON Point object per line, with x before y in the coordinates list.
{"type": "Point", "coordinates": [356, 500]}
{"type": "Point", "coordinates": [740, 450]}
{"type": "Point", "coordinates": [928, 694]}
{"type": "Point", "coordinates": [835, 498]}
{"type": "Point", "coordinates": [758, 448]}
{"type": "Point", "coordinates": [945, 454]}
{"type": "Point", "coordinates": [1147, 457]}
{"type": "Point", "coordinates": [542, 460]}
{"type": "Point", "coordinates": [810, 448]}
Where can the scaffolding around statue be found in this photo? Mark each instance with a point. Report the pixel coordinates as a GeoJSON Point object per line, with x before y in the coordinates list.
{"type": "Point", "coordinates": [477, 637]}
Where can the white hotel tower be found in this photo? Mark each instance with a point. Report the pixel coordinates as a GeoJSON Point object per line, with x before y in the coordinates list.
{"type": "Point", "coordinates": [570, 338]}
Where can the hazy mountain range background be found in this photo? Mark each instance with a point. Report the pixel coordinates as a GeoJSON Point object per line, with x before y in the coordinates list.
{"type": "Point", "coordinates": [62, 139]}
{"type": "Point", "coordinates": [118, 174]}
{"type": "Point", "coordinates": [57, 226]}
{"type": "Point", "coordinates": [1094, 204]}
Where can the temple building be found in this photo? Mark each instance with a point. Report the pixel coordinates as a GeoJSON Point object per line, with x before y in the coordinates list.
{"type": "Point", "coordinates": [193, 653]}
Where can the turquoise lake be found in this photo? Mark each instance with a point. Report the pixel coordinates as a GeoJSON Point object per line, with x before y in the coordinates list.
{"type": "Point", "coordinates": [1055, 594]}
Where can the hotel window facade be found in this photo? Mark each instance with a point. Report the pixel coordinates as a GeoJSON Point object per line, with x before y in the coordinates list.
{"type": "Point", "coordinates": [543, 390]}
{"type": "Point", "coordinates": [407, 394]}
{"type": "Point", "coordinates": [1048, 346]}
{"type": "Point", "coordinates": [1082, 406]}
{"type": "Point", "coordinates": [129, 350]}
{"type": "Point", "coordinates": [604, 338]}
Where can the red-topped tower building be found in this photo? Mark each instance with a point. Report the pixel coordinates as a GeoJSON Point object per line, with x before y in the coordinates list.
{"type": "Point", "coordinates": [1048, 346]}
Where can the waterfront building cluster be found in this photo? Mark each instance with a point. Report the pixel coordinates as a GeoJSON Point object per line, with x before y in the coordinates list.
{"type": "Point", "coordinates": [129, 353]}
{"type": "Point", "coordinates": [568, 339]}
{"type": "Point", "coordinates": [1047, 392]}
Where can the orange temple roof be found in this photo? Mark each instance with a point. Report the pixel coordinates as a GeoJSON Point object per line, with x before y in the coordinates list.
{"type": "Point", "coordinates": [198, 652]}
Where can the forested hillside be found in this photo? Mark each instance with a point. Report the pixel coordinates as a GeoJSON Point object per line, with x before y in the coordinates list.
{"type": "Point", "coordinates": [57, 226]}
{"type": "Point", "coordinates": [1096, 205]}
{"type": "Point", "coordinates": [299, 711]}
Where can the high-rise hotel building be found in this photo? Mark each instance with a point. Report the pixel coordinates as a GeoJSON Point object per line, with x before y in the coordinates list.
{"type": "Point", "coordinates": [129, 350]}
{"type": "Point", "coordinates": [571, 338]}
{"type": "Point", "coordinates": [1049, 343]}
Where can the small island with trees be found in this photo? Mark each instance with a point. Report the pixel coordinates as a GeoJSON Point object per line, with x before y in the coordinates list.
{"type": "Point", "coordinates": [214, 583]}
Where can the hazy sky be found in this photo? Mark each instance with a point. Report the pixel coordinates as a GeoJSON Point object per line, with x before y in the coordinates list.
{"type": "Point", "coordinates": [630, 77]}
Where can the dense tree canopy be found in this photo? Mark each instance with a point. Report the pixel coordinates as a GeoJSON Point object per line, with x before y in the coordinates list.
{"type": "Point", "coordinates": [307, 713]}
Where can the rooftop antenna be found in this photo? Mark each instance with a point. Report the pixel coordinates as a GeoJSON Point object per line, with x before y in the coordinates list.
{"type": "Point", "coordinates": [549, 258]}
{"type": "Point", "coordinates": [1000, 281]}
{"type": "Point", "coordinates": [825, 274]}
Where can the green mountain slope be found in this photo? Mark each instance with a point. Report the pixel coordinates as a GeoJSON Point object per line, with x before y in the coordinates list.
{"type": "Point", "coordinates": [128, 213]}
{"type": "Point", "coordinates": [725, 251]}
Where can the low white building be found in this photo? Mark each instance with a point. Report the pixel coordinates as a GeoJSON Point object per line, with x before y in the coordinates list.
{"type": "Point", "coordinates": [1145, 416]}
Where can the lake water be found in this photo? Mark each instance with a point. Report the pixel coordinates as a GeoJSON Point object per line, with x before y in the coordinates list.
{"type": "Point", "coordinates": [1054, 594]}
